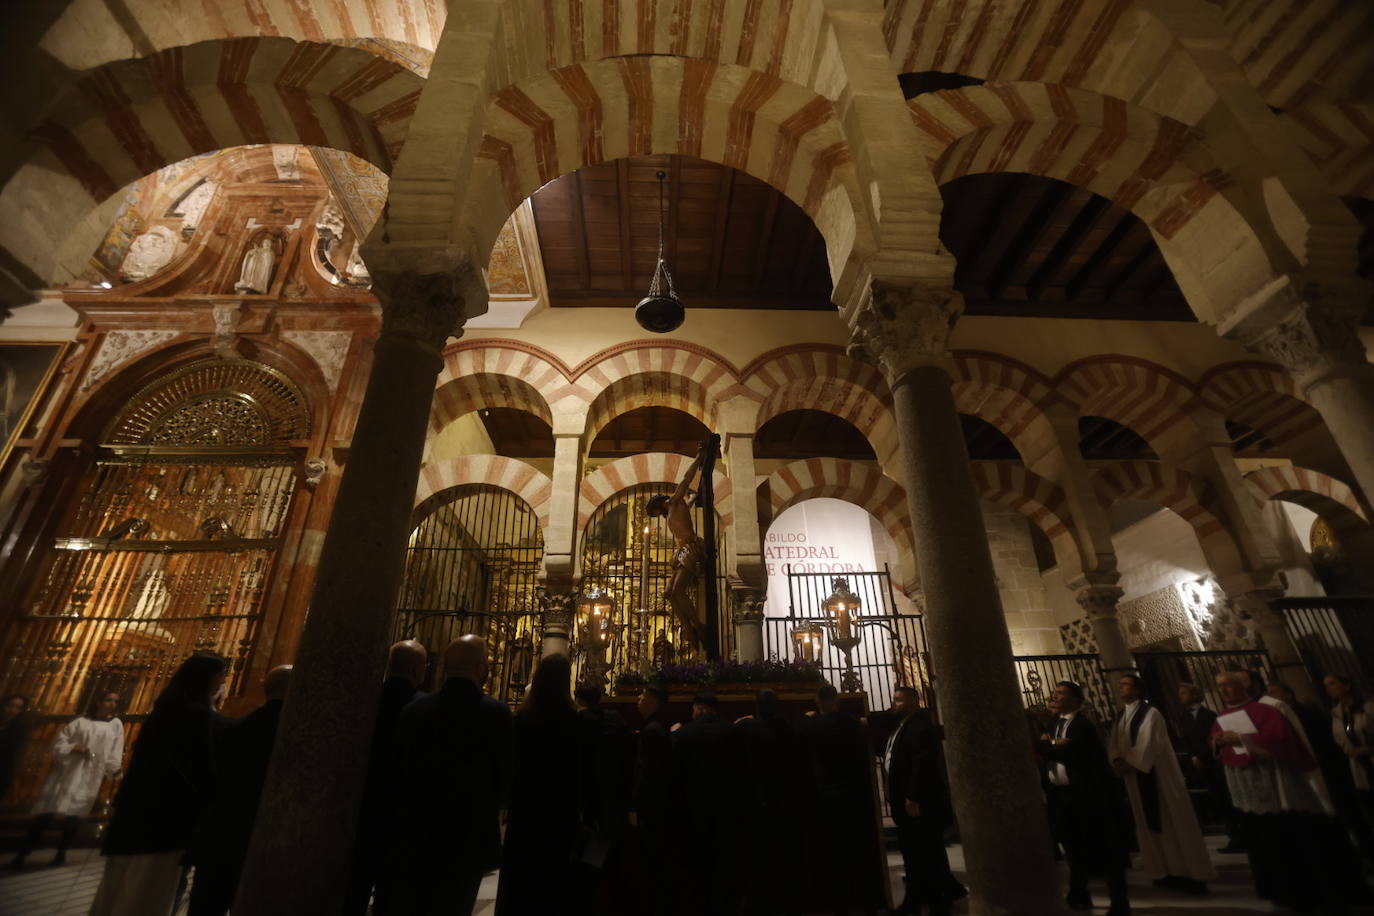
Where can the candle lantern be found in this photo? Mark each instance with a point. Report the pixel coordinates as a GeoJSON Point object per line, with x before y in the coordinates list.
{"type": "Point", "coordinates": [842, 612]}
{"type": "Point", "coordinates": [807, 641]}
{"type": "Point", "coordinates": [596, 630]}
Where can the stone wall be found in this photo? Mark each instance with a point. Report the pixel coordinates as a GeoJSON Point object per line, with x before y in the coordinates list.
{"type": "Point", "coordinates": [1030, 620]}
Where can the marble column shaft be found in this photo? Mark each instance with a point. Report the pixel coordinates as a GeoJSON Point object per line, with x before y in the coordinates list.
{"type": "Point", "coordinates": [301, 851]}
{"type": "Point", "coordinates": [747, 616]}
{"type": "Point", "coordinates": [992, 773]}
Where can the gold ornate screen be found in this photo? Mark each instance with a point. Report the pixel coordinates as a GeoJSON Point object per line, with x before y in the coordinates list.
{"type": "Point", "coordinates": [168, 550]}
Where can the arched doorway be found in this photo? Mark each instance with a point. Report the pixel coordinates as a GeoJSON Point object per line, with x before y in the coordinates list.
{"type": "Point", "coordinates": [168, 550]}
{"type": "Point", "coordinates": [472, 566]}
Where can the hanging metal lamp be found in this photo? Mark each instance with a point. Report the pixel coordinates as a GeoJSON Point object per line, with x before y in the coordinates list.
{"type": "Point", "coordinates": [661, 311]}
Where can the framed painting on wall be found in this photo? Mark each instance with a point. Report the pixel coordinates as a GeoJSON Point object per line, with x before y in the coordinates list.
{"type": "Point", "coordinates": [26, 369]}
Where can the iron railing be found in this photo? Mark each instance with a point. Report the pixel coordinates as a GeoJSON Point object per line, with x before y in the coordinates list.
{"type": "Point", "coordinates": [1334, 635]}
{"type": "Point", "coordinates": [1037, 676]}
{"type": "Point", "coordinates": [1165, 671]}
{"type": "Point", "coordinates": [891, 649]}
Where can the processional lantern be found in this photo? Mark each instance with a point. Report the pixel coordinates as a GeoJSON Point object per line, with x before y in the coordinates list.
{"type": "Point", "coordinates": [842, 611]}
{"type": "Point", "coordinates": [596, 631]}
{"type": "Point", "coordinates": [807, 641]}
{"type": "Point", "coordinates": [661, 311]}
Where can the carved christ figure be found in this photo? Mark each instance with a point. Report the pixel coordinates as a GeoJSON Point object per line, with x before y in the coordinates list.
{"type": "Point", "coordinates": [689, 558]}
{"type": "Point", "coordinates": [257, 268]}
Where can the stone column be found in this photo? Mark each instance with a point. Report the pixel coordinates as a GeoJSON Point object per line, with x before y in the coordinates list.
{"type": "Point", "coordinates": [1312, 332]}
{"type": "Point", "coordinates": [558, 608]}
{"type": "Point", "coordinates": [302, 845]}
{"type": "Point", "coordinates": [993, 779]}
{"type": "Point", "coordinates": [737, 417]}
{"type": "Point", "coordinates": [560, 537]}
{"type": "Point", "coordinates": [1099, 606]}
{"type": "Point", "coordinates": [746, 611]}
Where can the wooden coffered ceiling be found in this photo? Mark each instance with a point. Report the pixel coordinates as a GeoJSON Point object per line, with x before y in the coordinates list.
{"type": "Point", "coordinates": [1038, 247]}
{"type": "Point", "coordinates": [731, 241]}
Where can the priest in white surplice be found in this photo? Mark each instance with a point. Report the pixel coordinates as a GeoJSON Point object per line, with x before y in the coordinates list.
{"type": "Point", "coordinates": [1172, 851]}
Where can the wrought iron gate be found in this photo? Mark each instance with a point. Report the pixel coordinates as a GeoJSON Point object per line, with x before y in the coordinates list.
{"type": "Point", "coordinates": [891, 650]}
{"type": "Point", "coordinates": [472, 567]}
{"type": "Point", "coordinates": [623, 547]}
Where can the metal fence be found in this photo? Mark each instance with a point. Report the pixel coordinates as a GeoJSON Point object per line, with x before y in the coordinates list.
{"type": "Point", "coordinates": [1165, 671]}
{"type": "Point", "coordinates": [890, 650]}
{"type": "Point", "coordinates": [1334, 635]}
{"type": "Point", "coordinates": [1037, 675]}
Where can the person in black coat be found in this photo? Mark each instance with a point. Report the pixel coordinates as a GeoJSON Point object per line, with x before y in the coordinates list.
{"type": "Point", "coordinates": [844, 824]}
{"type": "Point", "coordinates": [706, 765]}
{"type": "Point", "coordinates": [607, 773]}
{"type": "Point", "coordinates": [14, 734]}
{"type": "Point", "coordinates": [547, 796]}
{"type": "Point", "coordinates": [169, 781]}
{"type": "Point", "coordinates": [652, 795]}
{"type": "Point", "coordinates": [1201, 769]}
{"type": "Point", "coordinates": [918, 799]}
{"type": "Point", "coordinates": [407, 662]}
{"type": "Point", "coordinates": [221, 842]}
{"type": "Point", "coordinates": [450, 778]}
{"type": "Point", "coordinates": [1085, 801]}
{"type": "Point", "coordinates": [773, 821]}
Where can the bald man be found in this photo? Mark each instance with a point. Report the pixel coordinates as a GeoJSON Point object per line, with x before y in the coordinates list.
{"type": "Point", "coordinates": [221, 841]}
{"type": "Point", "coordinates": [406, 665]}
{"type": "Point", "coordinates": [453, 756]}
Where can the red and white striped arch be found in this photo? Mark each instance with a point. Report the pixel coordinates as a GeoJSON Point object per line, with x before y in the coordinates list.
{"type": "Point", "coordinates": [517, 477]}
{"type": "Point", "coordinates": [491, 375]}
{"type": "Point", "coordinates": [1331, 499]}
{"type": "Point", "coordinates": [1009, 484]}
{"type": "Point", "coordinates": [1263, 397]}
{"type": "Point", "coordinates": [783, 38]}
{"type": "Point", "coordinates": [156, 25]}
{"type": "Point", "coordinates": [555, 122]}
{"type": "Point", "coordinates": [644, 373]}
{"type": "Point", "coordinates": [1157, 404]}
{"type": "Point", "coordinates": [1297, 51]}
{"type": "Point", "coordinates": [1173, 489]}
{"type": "Point", "coordinates": [1158, 168]}
{"type": "Point", "coordinates": [861, 484]}
{"type": "Point", "coordinates": [1339, 136]}
{"type": "Point", "coordinates": [1007, 394]}
{"type": "Point", "coordinates": [663, 468]}
{"type": "Point", "coordinates": [1113, 47]}
{"type": "Point", "coordinates": [829, 381]}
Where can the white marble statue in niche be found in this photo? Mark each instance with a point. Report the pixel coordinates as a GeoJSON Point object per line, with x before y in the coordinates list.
{"type": "Point", "coordinates": [256, 275]}
{"type": "Point", "coordinates": [149, 253]}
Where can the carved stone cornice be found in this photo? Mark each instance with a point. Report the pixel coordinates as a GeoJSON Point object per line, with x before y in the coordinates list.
{"type": "Point", "coordinates": [905, 326]}
{"type": "Point", "coordinates": [428, 308]}
{"type": "Point", "coordinates": [1311, 330]}
{"type": "Point", "coordinates": [1098, 601]}
{"type": "Point", "coordinates": [746, 605]}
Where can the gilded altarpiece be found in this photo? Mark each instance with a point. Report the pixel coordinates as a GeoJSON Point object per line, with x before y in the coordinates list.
{"type": "Point", "coordinates": [168, 550]}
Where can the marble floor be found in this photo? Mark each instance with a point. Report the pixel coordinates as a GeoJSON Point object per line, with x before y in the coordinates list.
{"type": "Point", "coordinates": [68, 891]}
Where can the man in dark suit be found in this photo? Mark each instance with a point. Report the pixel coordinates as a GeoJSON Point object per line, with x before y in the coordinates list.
{"type": "Point", "coordinates": [453, 757]}
{"type": "Point", "coordinates": [918, 799]}
{"type": "Point", "coordinates": [1085, 801]}
{"type": "Point", "coordinates": [407, 662]}
{"type": "Point", "coordinates": [651, 797]}
{"type": "Point", "coordinates": [607, 768]}
{"type": "Point", "coordinates": [1201, 769]}
{"type": "Point", "coordinates": [844, 825]}
{"type": "Point", "coordinates": [243, 751]}
{"type": "Point", "coordinates": [707, 762]}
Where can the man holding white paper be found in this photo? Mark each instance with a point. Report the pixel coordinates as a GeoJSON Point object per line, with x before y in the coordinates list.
{"type": "Point", "coordinates": [1267, 765]}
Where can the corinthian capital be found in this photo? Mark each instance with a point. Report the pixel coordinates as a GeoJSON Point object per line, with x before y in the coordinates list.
{"type": "Point", "coordinates": [1311, 330]}
{"type": "Point", "coordinates": [747, 605]}
{"type": "Point", "coordinates": [1098, 601]}
{"type": "Point", "coordinates": [905, 326]}
{"type": "Point", "coordinates": [426, 294]}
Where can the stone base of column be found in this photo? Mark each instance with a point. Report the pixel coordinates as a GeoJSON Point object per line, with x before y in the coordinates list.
{"type": "Point", "coordinates": [747, 616]}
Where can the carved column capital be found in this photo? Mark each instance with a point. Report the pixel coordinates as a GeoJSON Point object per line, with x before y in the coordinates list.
{"type": "Point", "coordinates": [1098, 601]}
{"type": "Point", "coordinates": [1310, 329]}
{"type": "Point", "coordinates": [426, 307]}
{"type": "Point", "coordinates": [558, 610]}
{"type": "Point", "coordinates": [1257, 605]}
{"type": "Point", "coordinates": [905, 326]}
{"type": "Point", "coordinates": [747, 605]}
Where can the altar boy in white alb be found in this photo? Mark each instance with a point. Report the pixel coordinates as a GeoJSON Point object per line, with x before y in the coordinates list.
{"type": "Point", "coordinates": [1172, 851]}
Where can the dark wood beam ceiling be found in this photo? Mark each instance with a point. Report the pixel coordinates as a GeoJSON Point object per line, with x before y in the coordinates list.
{"type": "Point", "coordinates": [1037, 247]}
{"type": "Point", "coordinates": [649, 429]}
{"type": "Point", "coordinates": [730, 240]}
{"type": "Point", "coordinates": [811, 434]}
{"type": "Point", "coordinates": [517, 434]}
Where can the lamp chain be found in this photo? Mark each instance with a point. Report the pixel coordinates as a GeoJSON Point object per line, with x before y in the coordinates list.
{"type": "Point", "coordinates": [662, 276]}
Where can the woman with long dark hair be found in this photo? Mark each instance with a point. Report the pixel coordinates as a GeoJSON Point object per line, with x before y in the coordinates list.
{"type": "Point", "coordinates": [89, 749]}
{"type": "Point", "coordinates": [542, 824]}
{"type": "Point", "coordinates": [170, 778]}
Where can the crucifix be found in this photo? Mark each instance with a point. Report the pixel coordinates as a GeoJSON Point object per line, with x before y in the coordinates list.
{"type": "Point", "coordinates": [694, 557]}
